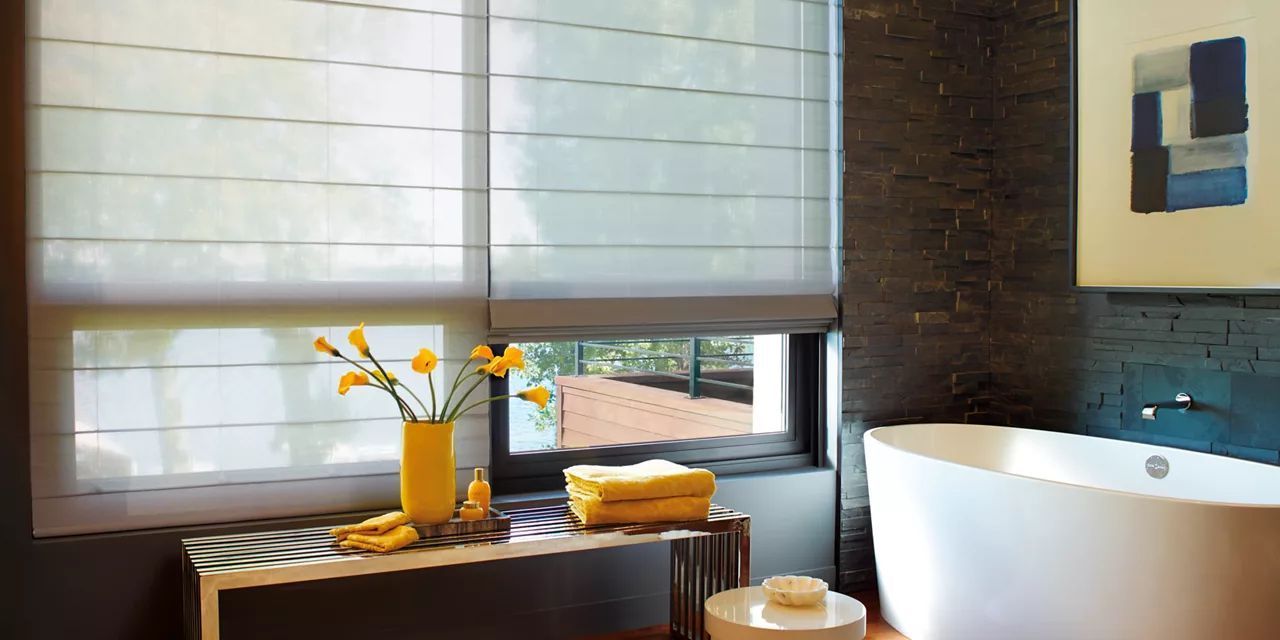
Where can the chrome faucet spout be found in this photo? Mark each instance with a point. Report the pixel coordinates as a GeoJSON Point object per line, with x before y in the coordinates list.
{"type": "Point", "coordinates": [1182, 402]}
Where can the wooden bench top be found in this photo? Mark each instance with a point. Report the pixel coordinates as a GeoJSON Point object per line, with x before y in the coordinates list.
{"type": "Point", "coordinates": [215, 563]}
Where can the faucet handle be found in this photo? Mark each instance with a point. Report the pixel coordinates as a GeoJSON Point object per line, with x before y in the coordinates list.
{"type": "Point", "coordinates": [1149, 411]}
{"type": "Point", "coordinates": [1183, 399]}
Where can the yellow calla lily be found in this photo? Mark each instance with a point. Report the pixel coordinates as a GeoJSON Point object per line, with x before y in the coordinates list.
{"type": "Point", "coordinates": [425, 361]}
{"type": "Point", "coordinates": [514, 358]}
{"type": "Point", "coordinates": [497, 366]}
{"type": "Point", "coordinates": [383, 380]}
{"type": "Point", "coordinates": [537, 395]}
{"type": "Point", "coordinates": [511, 358]}
{"type": "Point", "coordinates": [323, 346]}
{"type": "Point", "coordinates": [481, 352]}
{"type": "Point", "coordinates": [351, 379]}
{"type": "Point", "coordinates": [356, 337]}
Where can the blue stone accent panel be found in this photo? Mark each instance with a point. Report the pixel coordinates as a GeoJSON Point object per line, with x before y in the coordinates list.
{"type": "Point", "coordinates": [1215, 188]}
{"type": "Point", "coordinates": [1255, 411]}
{"type": "Point", "coordinates": [1211, 391]}
{"type": "Point", "coordinates": [1147, 123]}
{"type": "Point", "coordinates": [1156, 439]}
{"type": "Point", "coordinates": [1247, 453]}
{"type": "Point", "coordinates": [1149, 189]}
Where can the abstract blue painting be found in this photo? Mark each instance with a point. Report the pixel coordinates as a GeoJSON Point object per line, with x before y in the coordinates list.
{"type": "Point", "coordinates": [1190, 118]}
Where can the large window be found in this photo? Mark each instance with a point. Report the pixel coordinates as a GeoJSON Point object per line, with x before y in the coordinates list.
{"type": "Point", "coordinates": [215, 182]}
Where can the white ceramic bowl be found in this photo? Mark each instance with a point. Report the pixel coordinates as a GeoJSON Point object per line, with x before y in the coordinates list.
{"type": "Point", "coordinates": [795, 591]}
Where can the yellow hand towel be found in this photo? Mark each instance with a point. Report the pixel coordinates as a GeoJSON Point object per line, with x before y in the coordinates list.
{"type": "Point", "coordinates": [374, 526]}
{"type": "Point", "coordinates": [383, 542]}
{"type": "Point", "coordinates": [595, 511]}
{"type": "Point", "coordinates": [649, 479]}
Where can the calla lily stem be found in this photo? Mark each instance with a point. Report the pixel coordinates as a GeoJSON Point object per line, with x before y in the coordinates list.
{"type": "Point", "coordinates": [430, 385]}
{"type": "Point", "coordinates": [481, 378]}
{"type": "Point", "coordinates": [374, 378]}
{"type": "Point", "coordinates": [392, 387]}
{"type": "Point", "coordinates": [404, 386]}
{"type": "Point", "coordinates": [458, 414]}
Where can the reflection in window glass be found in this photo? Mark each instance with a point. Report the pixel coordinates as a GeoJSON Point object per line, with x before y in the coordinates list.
{"type": "Point", "coordinates": [614, 392]}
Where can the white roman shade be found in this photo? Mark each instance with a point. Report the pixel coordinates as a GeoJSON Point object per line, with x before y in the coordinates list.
{"type": "Point", "coordinates": [665, 151]}
{"type": "Point", "coordinates": [213, 183]}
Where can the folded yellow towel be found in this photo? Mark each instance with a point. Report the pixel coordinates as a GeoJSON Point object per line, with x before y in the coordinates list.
{"type": "Point", "coordinates": [595, 511]}
{"type": "Point", "coordinates": [649, 479]}
{"type": "Point", "coordinates": [374, 526]}
{"type": "Point", "coordinates": [382, 542]}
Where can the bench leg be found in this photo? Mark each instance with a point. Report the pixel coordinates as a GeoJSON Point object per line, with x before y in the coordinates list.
{"type": "Point", "coordinates": [209, 621]}
{"type": "Point", "coordinates": [701, 567]}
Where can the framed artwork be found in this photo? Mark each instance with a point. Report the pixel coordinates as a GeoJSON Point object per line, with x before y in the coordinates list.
{"type": "Point", "coordinates": [1172, 102]}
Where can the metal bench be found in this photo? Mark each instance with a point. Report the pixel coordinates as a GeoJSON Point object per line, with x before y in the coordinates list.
{"type": "Point", "coordinates": [707, 556]}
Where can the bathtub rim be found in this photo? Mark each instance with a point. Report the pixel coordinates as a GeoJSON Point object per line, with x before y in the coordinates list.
{"type": "Point", "coordinates": [1159, 448]}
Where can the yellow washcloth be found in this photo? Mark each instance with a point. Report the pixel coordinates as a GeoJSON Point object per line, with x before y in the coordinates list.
{"type": "Point", "coordinates": [372, 526]}
{"type": "Point", "coordinates": [648, 479]}
{"type": "Point", "coordinates": [383, 542]}
{"type": "Point", "coordinates": [596, 511]}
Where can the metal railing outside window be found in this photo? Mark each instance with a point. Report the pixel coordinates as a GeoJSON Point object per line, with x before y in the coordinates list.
{"type": "Point", "coordinates": [687, 359]}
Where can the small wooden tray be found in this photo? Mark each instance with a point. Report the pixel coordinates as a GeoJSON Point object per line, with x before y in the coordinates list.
{"type": "Point", "coordinates": [497, 521]}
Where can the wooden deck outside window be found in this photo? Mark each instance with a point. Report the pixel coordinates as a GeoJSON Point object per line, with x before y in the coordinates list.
{"type": "Point", "coordinates": [598, 410]}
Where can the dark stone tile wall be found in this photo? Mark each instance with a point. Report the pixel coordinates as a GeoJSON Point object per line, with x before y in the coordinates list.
{"type": "Point", "coordinates": [1086, 362]}
{"type": "Point", "coordinates": [918, 144]}
{"type": "Point", "coordinates": [958, 304]}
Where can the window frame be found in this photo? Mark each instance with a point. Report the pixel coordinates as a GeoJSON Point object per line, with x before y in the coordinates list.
{"type": "Point", "coordinates": [798, 445]}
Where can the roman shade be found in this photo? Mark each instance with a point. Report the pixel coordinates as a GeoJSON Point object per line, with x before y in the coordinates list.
{"type": "Point", "coordinates": [213, 184]}
{"type": "Point", "coordinates": [676, 153]}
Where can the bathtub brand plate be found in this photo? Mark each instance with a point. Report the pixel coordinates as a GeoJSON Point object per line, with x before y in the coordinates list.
{"type": "Point", "coordinates": [1157, 467]}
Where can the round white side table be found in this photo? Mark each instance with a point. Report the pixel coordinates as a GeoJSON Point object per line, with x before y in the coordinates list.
{"type": "Point", "coordinates": [747, 614]}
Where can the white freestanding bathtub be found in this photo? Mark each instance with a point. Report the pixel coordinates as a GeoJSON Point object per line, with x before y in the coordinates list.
{"type": "Point", "coordinates": [995, 532]}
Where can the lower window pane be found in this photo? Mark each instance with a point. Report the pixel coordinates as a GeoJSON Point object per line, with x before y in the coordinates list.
{"type": "Point", "coordinates": [630, 391]}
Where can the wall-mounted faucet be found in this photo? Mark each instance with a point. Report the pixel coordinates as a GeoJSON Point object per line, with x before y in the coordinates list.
{"type": "Point", "coordinates": [1181, 402]}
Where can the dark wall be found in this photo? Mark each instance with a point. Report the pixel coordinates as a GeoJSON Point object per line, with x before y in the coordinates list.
{"type": "Point", "coordinates": [15, 487]}
{"type": "Point", "coordinates": [1086, 362]}
{"type": "Point", "coordinates": [917, 224]}
{"type": "Point", "coordinates": [1043, 356]}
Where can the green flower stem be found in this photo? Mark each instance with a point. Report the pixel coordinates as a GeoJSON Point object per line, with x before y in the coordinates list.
{"type": "Point", "coordinates": [412, 417]}
{"type": "Point", "coordinates": [415, 397]}
{"type": "Point", "coordinates": [456, 380]}
{"type": "Point", "coordinates": [482, 377]}
{"type": "Point", "coordinates": [431, 384]}
{"type": "Point", "coordinates": [373, 379]}
{"type": "Point", "coordinates": [458, 414]}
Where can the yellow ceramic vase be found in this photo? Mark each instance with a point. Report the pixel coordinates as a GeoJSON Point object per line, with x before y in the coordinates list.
{"type": "Point", "coordinates": [427, 477]}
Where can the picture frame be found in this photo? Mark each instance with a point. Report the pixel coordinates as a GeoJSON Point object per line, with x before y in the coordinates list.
{"type": "Point", "coordinates": [1174, 243]}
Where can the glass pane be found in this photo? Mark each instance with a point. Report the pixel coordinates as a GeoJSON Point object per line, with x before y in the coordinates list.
{"type": "Point", "coordinates": [614, 392]}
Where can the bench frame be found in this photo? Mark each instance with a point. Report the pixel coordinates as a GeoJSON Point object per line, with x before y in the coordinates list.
{"type": "Point", "coordinates": [707, 557]}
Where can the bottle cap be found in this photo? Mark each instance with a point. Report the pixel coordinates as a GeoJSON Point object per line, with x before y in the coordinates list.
{"type": "Point", "coordinates": [479, 474]}
{"type": "Point", "coordinates": [470, 504]}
